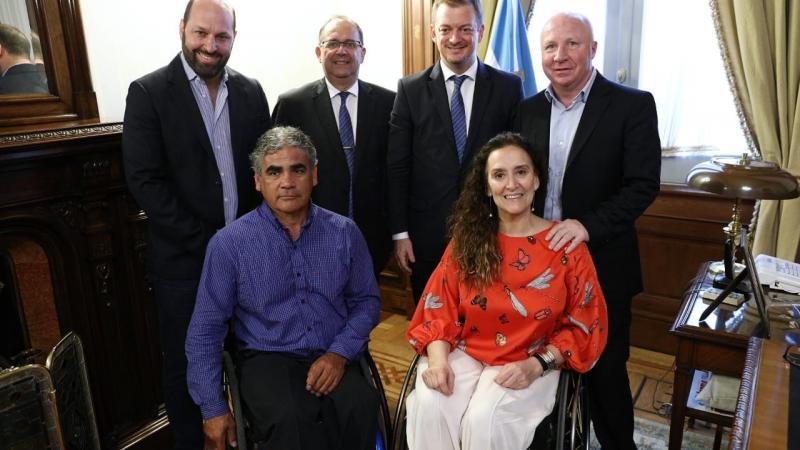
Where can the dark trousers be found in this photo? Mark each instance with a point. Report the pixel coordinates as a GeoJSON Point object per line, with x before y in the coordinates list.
{"type": "Point", "coordinates": [610, 400]}
{"type": "Point", "coordinates": [284, 416]}
{"type": "Point", "coordinates": [175, 300]}
{"type": "Point", "coordinates": [420, 272]}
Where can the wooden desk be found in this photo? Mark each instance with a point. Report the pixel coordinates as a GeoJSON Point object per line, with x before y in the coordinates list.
{"type": "Point", "coordinates": [718, 344]}
{"type": "Point", "coordinates": [762, 410]}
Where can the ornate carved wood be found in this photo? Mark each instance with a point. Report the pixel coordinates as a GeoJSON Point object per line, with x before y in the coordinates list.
{"type": "Point", "coordinates": [65, 191]}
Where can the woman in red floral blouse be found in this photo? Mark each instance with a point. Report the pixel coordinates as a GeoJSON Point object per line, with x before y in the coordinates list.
{"type": "Point", "coordinates": [500, 314]}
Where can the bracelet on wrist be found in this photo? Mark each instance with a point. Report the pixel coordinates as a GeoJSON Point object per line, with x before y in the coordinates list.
{"type": "Point", "coordinates": [549, 358]}
{"type": "Point", "coordinates": [542, 362]}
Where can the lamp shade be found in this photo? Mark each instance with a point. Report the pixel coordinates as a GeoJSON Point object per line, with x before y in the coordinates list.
{"type": "Point", "coordinates": [744, 179]}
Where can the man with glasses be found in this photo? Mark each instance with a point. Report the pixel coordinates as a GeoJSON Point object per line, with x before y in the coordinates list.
{"type": "Point", "coordinates": [441, 117]}
{"type": "Point", "coordinates": [348, 121]}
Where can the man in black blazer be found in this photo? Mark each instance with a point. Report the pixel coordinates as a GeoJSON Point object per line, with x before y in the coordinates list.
{"type": "Point", "coordinates": [18, 75]}
{"type": "Point", "coordinates": [441, 117]}
{"type": "Point", "coordinates": [188, 130]}
{"type": "Point", "coordinates": [602, 164]}
{"type": "Point", "coordinates": [316, 109]}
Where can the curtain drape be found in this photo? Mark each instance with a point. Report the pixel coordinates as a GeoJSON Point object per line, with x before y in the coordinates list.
{"type": "Point", "coordinates": [760, 41]}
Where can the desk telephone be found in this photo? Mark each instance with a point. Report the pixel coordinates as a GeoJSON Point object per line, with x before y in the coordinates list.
{"type": "Point", "coordinates": [778, 273]}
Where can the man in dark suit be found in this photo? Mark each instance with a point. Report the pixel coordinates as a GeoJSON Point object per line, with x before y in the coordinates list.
{"type": "Point", "coordinates": [189, 128]}
{"type": "Point", "coordinates": [441, 117]}
{"type": "Point", "coordinates": [351, 142]}
{"type": "Point", "coordinates": [598, 143]}
{"type": "Point", "coordinates": [17, 74]}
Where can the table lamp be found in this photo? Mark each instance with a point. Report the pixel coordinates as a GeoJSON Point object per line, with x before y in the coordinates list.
{"type": "Point", "coordinates": [739, 179]}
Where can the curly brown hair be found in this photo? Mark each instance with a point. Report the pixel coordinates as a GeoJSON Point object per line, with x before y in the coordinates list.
{"type": "Point", "coordinates": [472, 230]}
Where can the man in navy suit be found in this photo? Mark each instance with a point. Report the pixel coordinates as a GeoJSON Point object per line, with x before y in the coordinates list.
{"type": "Point", "coordinates": [350, 134]}
{"type": "Point", "coordinates": [188, 130]}
{"type": "Point", "coordinates": [441, 117]}
{"type": "Point", "coordinates": [598, 143]}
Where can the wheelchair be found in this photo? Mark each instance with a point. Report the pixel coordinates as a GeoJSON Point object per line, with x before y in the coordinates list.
{"type": "Point", "coordinates": [383, 436]}
{"type": "Point", "coordinates": [567, 426]}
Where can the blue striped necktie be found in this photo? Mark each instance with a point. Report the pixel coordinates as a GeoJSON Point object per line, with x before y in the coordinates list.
{"type": "Point", "coordinates": [348, 144]}
{"type": "Point", "coordinates": [459, 116]}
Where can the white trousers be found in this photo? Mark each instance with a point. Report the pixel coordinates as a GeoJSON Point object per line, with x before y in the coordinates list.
{"type": "Point", "coordinates": [480, 414]}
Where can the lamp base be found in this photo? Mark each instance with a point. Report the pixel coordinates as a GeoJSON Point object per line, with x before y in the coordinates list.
{"type": "Point", "coordinates": [721, 282]}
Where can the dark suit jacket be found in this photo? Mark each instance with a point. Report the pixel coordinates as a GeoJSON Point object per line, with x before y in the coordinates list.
{"type": "Point", "coordinates": [424, 174]}
{"type": "Point", "coordinates": [612, 175]}
{"type": "Point", "coordinates": [23, 79]}
{"type": "Point", "coordinates": [170, 166]}
{"type": "Point", "coordinates": [309, 108]}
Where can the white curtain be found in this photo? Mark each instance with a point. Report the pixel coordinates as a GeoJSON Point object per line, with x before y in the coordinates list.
{"type": "Point", "coordinates": [681, 65]}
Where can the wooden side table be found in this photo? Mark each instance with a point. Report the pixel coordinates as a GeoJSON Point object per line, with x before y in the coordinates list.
{"type": "Point", "coordinates": [762, 409]}
{"type": "Point", "coordinates": [717, 344]}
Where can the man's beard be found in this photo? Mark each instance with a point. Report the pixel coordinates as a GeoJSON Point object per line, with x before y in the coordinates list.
{"type": "Point", "coordinates": [204, 71]}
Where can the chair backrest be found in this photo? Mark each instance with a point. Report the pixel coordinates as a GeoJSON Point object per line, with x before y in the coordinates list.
{"type": "Point", "coordinates": [28, 415]}
{"type": "Point", "coordinates": [68, 368]}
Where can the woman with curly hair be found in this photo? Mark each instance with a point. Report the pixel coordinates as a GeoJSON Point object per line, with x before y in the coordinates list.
{"type": "Point", "coordinates": [500, 315]}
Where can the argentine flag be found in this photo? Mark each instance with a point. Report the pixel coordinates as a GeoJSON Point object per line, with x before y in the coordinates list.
{"type": "Point", "coordinates": [508, 45]}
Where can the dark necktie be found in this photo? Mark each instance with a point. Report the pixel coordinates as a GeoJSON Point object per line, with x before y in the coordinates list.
{"type": "Point", "coordinates": [348, 144]}
{"type": "Point", "coordinates": [459, 116]}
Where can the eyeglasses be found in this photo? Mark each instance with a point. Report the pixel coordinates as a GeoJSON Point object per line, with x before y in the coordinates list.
{"type": "Point", "coordinates": [333, 44]}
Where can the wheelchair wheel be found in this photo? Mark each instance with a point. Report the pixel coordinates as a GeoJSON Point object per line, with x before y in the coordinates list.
{"type": "Point", "coordinates": [370, 371]}
{"type": "Point", "coordinates": [399, 442]}
{"type": "Point", "coordinates": [231, 383]}
{"type": "Point", "coordinates": [567, 427]}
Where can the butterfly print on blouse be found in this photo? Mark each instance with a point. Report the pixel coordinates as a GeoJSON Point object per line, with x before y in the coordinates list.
{"type": "Point", "coordinates": [564, 260]}
{"type": "Point", "coordinates": [542, 281]}
{"type": "Point", "coordinates": [503, 318]}
{"type": "Point", "coordinates": [500, 339]}
{"type": "Point", "coordinates": [432, 302]}
{"type": "Point", "coordinates": [515, 302]}
{"type": "Point", "coordinates": [523, 259]}
{"type": "Point", "coordinates": [480, 301]}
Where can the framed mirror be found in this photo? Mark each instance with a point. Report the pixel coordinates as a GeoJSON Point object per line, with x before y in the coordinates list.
{"type": "Point", "coordinates": [45, 79]}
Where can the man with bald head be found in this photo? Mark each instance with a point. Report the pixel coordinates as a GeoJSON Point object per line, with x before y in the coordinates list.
{"type": "Point", "coordinates": [348, 121]}
{"type": "Point", "coordinates": [599, 143]}
{"type": "Point", "coordinates": [188, 130]}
